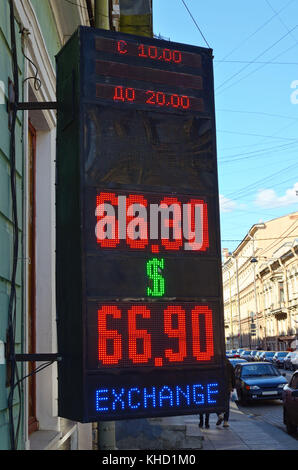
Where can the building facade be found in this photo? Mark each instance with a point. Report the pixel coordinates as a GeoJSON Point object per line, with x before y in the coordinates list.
{"type": "Point", "coordinates": [260, 285]}
{"type": "Point", "coordinates": [32, 32]}
{"type": "Point", "coordinates": [28, 407]}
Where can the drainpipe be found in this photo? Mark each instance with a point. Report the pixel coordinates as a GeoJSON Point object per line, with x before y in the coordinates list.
{"type": "Point", "coordinates": [136, 17]}
{"type": "Point", "coordinates": [286, 298]}
{"type": "Point", "coordinates": [238, 301]}
{"type": "Point", "coordinates": [264, 315]}
{"type": "Point", "coordinates": [102, 14]}
{"type": "Point", "coordinates": [254, 261]}
{"type": "Point", "coordinates": [231, 320]}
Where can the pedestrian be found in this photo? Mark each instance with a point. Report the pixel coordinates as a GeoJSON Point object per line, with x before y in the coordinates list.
{"type": "Point", "coordinates": [201, 423]}
{"type": "Point", "coordinates": [224, 417]}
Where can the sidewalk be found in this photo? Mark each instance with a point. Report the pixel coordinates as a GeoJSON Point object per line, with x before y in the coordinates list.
{"type": "Point", "coordinates": [246, 432]}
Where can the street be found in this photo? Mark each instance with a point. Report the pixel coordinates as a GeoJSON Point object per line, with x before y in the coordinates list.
{"type": "Point", "coordinates": [268, 411]}
{"type": "Point", "coordinates": [256, 426]}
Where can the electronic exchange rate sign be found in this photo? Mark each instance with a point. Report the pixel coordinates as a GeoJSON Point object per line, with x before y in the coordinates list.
{"type": "Point", "coordinates": [139, 300]}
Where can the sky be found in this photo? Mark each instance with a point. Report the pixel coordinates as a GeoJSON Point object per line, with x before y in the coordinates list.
{"type": "Point", "coordinates": [255, 48]}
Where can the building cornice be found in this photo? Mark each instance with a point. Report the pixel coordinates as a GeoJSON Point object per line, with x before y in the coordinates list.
{"type": "Point", "coordinates": [68, 16]}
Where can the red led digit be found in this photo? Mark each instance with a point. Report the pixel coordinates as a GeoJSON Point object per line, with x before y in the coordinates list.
{"type": "Point", "coordinates": [141, 51]}
{"type": "Point", "coordinates": [167, 56]}
{"type": "Point", "coordinates": [107, 337]}
{"type": "Point", "coordinates": [160, 98]}
{"type": "Point", "coordinates": [175, 223]}
{"type": "Point", "coordinates": [137, 229]}
{"type": "Point", "coordinates": [205, 231]}
{"type": "Point", "coordinates": [175, 101]}
{"type": "Point", "coordinates": [184, 102]}
{"type": "Point", "coordinates": [152, 52]}
{"type": "Point", "coordinates": [136, 336]}
{"type": "Point", "coordinates": [104, 238]}
{"type": "Point", "coordinates": [151, 98]}
{"type": "Point", "coordinates": [177, 57]}
{"type": "Point", "coordinates": [199, 228]}
{"type": "Point", "coordinates": [204, 314]}
{"type": "Point", "coordinates": [179, 332]}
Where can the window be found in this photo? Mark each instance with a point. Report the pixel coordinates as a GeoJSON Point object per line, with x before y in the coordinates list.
{"type": "Point", "coordinates": [294, 382]}
{"type": "Point", "coordinates": [281, 293]}
{"type": "Point", "coordinates": [258, 370]}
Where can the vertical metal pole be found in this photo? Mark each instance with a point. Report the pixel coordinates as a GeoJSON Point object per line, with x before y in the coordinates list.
{"type": "Point", "coordinates": [238, 304]}
{"type": "Point", "coordinates": [231, 311]}
{"type": "Point", "coordinates": [101, 14]}
{"type": "Point", "coordinates": [106, 439]}
{"type": "Point", "coordinates": [264, 316]}
{"type": "Point", "coordinates": [106, 436]}
{"type": "Point", "coordinates": [256, 303]}
{"type": "Point", "coordinates": [140, 22]}
{"type": "Point", "coordinates": [253, 260]}
{"type": "Point", "coordinates": [136, 17]}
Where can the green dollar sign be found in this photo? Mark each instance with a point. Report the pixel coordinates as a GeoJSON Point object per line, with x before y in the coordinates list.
{"type": "Point", "coordinates": [154, 267]}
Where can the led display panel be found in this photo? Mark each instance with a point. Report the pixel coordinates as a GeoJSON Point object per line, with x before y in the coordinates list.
{"type": "Point", "coordinates": [139, 296]}
{"type": "Point", "coordinates": [130, 335]}
{"type": "Point", "coordinates": [152, 98]}
{"type": "Point", "coordinates": [156, 223]}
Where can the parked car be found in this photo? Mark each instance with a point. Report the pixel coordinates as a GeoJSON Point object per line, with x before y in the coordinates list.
{"type": "Point", "coordinates": [251, 357]}
{"type": "Point", "coordinates": [258, 381]}
{"type": "Point", "coordinates": [279, 357]}
{"type": "Point", "coordinates": [266, 356]}
{"type": "Point", "coordinates": [288, 361]}
{"type": "Point", "coordinates": [290, 404]}
{"type": "Point", "coordinates": [240, 350]}
{"type": "Point", "coordinates": [245, 354]}
{"type": "Point", "coordinates": [257, 355]}
{"type": "Point", "coordinates": [236, 360]}
{"type": "Point", "coordinates": [231, 352]}
{"type": "Point", "coordinates": [294, 360]}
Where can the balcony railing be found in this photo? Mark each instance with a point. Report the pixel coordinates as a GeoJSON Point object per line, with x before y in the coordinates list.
{"type": "Point", "coordinates": [279, 310]}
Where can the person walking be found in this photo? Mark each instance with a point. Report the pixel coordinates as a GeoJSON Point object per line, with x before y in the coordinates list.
{"type": "Point", "coordinates": [201, 423]}
{"type": "Point", "coordinates": [224, 417]}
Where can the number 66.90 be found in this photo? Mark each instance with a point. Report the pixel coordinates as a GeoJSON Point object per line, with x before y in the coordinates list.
{"type": "Point", "coordinates": [138, 348]}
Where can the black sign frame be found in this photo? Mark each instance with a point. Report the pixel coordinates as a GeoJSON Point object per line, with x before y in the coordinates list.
{"type": "Point", "coordinates": [97, 149]}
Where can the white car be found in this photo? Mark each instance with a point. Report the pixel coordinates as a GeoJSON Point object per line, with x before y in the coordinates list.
{"type": "Point", "coordinates": [294, 360]}
{"type": "Point", "coordinates": [288, 361]}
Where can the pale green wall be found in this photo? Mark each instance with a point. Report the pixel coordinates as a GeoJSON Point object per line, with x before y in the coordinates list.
{"type": "Point", "coordinates": [47, 24]}
{"type": "Point", "coordinates": [49, 31]}
{"type": "Point", "coordinates": [6, 226]}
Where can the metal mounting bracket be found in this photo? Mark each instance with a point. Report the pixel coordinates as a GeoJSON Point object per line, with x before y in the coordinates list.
{"type": "Point", "coordinates": [35, 105]}
{"type": "Point", "coordinates": [38, 357]}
